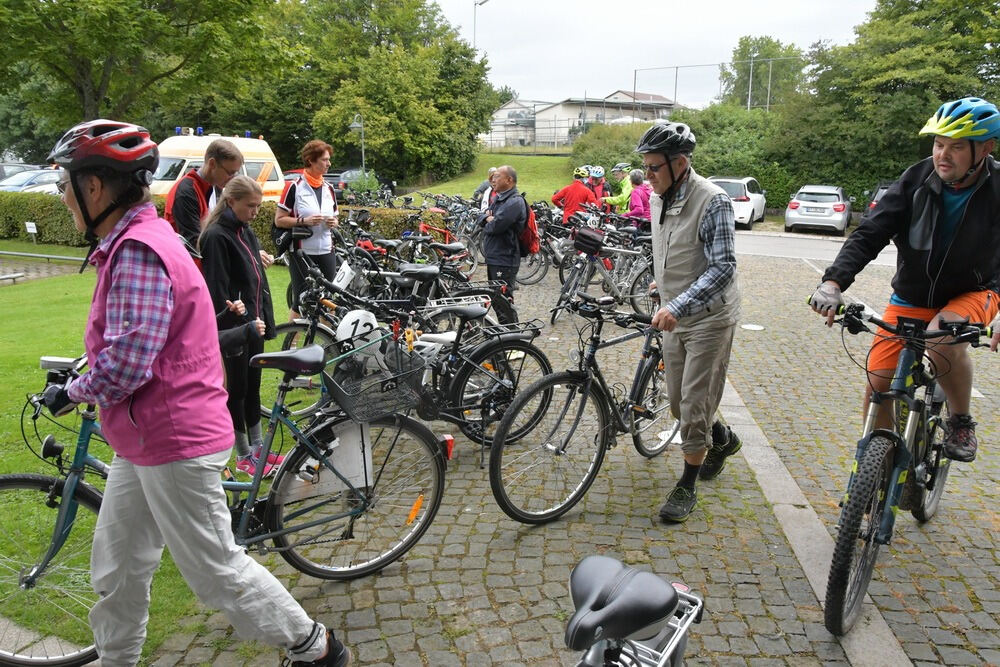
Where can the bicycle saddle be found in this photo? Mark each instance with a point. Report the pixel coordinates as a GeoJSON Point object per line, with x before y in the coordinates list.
{"type": "Point", "coordinates": [419, 271]}
{"type": "Point", "coordinates": [450, 248]}
{"type": "Point", "coordinates": [387, 243]}
{"type": "Point", "coordinates": [304, 361]}
{"type": "Point", "coordinates": [615, 601]}
{"type": "Point", "coordinates": [418, 238]}
{"type": "Point", "coordinates": [469, 312]}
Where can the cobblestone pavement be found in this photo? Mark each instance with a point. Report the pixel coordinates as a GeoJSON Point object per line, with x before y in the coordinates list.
{"type": "Point", "coordinates": [481, 589]}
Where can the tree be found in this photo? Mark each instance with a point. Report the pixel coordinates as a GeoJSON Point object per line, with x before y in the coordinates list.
{"type": "Point", "coordinates": [763, 68]}
{"type": "Point", "coordinates": [867, 100]}
{"type": "Point", "coordinates": [114, 57]}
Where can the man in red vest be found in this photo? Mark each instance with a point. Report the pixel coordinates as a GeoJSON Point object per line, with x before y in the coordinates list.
{"type": "Point", "coordinates": [188, 201]}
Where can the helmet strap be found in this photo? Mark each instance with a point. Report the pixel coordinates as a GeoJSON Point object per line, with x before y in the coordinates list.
{"type": "Point", "coordinates": [91, 223]}
{"type": "Point", "coordinates": [668, 196]}
{"type": "Point", "coordinates": [972, 170]}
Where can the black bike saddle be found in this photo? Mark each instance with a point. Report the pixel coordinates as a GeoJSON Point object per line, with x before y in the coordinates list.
{"type": "Point", "coordinates": [304, 361]}
{"type": "Point", "coordinates": [450, 248]}
{"type": "Point", "coordinates": [615, 601]}
{"type": "Point", "coordinates": [419, 271]}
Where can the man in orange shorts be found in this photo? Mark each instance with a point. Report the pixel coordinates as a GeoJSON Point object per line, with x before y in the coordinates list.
{"type": "Point", "coordinates": [942, 214]}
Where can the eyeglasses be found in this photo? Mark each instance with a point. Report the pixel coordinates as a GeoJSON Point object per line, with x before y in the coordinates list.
{"type": "Point", "coordinates": [655, 167]}
{"type": "Point", "coordinates": [61, 186]}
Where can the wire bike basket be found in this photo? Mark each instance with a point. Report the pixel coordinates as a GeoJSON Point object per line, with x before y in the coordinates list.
{"type": "Point", "coordinates": [376, 377]}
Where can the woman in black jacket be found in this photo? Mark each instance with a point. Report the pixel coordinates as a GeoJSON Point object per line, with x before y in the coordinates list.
{"type": "Point", "coordinates": [233, 266]}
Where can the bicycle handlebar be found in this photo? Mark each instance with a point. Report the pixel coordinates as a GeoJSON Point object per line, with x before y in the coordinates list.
{"type": "Point", "coordinates": [853, 318]}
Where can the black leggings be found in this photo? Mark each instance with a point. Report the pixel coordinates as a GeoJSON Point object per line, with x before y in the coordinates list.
{"type": "Point", "coordinates": [243, 385]}
{"type": "Point", "coordinates": [327, 264]}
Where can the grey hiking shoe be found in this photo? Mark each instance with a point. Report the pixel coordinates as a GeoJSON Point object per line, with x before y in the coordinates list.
{"type": "Point", "coordinates": [679, 505]}
{"type": "Point", "coordinates": [960, 441]}
{"type": "Point", "coordinates": [715, 461]}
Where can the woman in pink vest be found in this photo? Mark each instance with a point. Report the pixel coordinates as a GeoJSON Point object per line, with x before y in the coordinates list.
{"type": "Point", "coordinates": [157, 379]}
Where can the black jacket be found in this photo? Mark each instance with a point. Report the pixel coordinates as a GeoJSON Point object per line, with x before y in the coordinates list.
{"type": "Point", "coordinates": [929, 273]}
{"type": "Point", "coordinates": [500, 235]}
{"type": "Point", "coordinates": [230, 261]}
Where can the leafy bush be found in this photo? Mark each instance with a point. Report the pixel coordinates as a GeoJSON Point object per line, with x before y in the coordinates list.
{"type": "Point", "coordinates": [607, 145]}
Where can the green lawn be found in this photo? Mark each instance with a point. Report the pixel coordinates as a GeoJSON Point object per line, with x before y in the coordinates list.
{"type": "Point", "coordinates": [47, 317]}
{"type": "Point", "coordinates": [12, 245]}
{"type": "Point", "coordinates": [538, 176]}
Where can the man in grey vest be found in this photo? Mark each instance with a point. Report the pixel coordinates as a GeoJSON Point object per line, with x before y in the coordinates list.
{"type": "Point", "coordinates": [695, 269]}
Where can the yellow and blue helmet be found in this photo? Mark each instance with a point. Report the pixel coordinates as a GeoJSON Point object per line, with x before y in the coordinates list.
{"type": "Point", "coordinates": [968, 118]}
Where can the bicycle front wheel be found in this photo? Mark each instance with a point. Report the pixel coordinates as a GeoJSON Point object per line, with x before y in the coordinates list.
{"type": "Point", "coordinates": [638, 296]}
{"type": "Point", "coordinates": [653, 427]}
{"type": "Point", "coordinates": [481, 394]}
{"type": "Point", "coordinates": [45, 623]}
{"type": "Point", "coordinates": [338, 532]}
{"type": "Point", "coordinates": [856, 549]}
{"type": "Point", "coordinates": [563, 434]}
{"type": "Point", "coordinates": [306, 393]}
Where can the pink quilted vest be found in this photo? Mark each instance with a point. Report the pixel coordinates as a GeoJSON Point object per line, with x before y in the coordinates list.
{"type": "Point", "coordinates": [181, 412]}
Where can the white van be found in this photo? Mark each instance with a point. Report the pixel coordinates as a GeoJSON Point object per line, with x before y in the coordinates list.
{"type": "Point", "coordinates": [181, 153]}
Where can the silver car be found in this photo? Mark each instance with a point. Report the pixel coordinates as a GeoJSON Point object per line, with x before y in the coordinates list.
{"type": "Point", "coordinates": [819, 207]}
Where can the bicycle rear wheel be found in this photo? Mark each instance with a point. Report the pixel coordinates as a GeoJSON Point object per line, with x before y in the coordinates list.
{"type": "Point", "coordinates": [306, 393]}
{"type": "Point", "coordinates": [856, 550]}
{"type": "Point", "coordinates": [927, 497]}
{"type": "Point", "coordinates": [46, 624]}
{"type": "Point", "coordinates": [533, 268]}
{"type": "Point", "coordinates": [337, 533]}
{"type": "Point", "coordinates": [654, 428]}
{"type": "Point", "coordinates": [542, 474]}
{"type": "Point", "coordinates": [476, 385]}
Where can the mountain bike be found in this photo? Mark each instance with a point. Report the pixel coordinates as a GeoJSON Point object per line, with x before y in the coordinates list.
{"type": "Point", "coordinates": [899, 468]}
{"type": "Point", "coordinates": [358, 489]}
{"type": "Point", "coordinates": [627, 617]}
{"type": "Point", "coordinates": [567, 421]}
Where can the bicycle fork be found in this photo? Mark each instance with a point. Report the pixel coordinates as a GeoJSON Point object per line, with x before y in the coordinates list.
{"type": "Point", "coordinates": [902, 456]}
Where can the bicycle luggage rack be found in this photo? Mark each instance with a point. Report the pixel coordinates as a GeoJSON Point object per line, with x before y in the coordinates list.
{"type": "Point", "coordinates": [534, 327]}
{"type": "Point", "coordinates": [484, 284]}
{"type": "Point", "coordinates": [445, 301]}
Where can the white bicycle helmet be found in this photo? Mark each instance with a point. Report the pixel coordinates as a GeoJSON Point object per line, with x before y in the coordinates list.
{"type": "Point", "coordinates": [357, 328]}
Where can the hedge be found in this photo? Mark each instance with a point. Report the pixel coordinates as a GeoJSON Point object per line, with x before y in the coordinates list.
{"type": "Point", "coordinates": [55, 225]}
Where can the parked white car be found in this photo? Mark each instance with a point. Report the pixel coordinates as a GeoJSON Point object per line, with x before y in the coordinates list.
{"type": "Point", "coordinates": [747, 197]}
{"type": "Point", "coordinates": [819, 207]}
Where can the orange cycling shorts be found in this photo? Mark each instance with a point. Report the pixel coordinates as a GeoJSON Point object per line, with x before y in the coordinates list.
{"type": "Point", "coordinates": [977, 306]}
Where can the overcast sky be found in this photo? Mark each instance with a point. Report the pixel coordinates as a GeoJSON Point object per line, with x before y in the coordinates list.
{"type": "Point", "coordinates": [553, 49]}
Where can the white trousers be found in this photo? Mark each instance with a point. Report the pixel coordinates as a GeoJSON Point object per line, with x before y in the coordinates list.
{"type": "Point", "coordinates": [182, 505]}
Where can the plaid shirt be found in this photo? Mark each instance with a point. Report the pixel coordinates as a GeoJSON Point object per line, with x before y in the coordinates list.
{"type": "Point", "coordinates": [140, 302]}
{"type": "Point", "coordinates": [717, 229]}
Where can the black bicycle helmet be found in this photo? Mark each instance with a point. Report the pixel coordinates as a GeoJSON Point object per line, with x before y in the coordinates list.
{"type": "Point", "coordinates": [668, 139]}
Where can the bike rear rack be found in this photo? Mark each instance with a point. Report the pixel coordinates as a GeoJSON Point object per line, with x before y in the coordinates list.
{"type": "Point", "coordinates": [534, 327]}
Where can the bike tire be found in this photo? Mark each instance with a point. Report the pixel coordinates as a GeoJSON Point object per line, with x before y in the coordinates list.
{"type": "Point", "coordinates": [307, 393]}
{"type": "Point", "coordinates": [566, 294]}
{"type": "Point", "coordinates": [926, 500]}
{"type": "Point", "coordinates": [406, 483]}
{"type": "Point", "coordinates": [533, 480]}
{"type": "Point", "coordinates": [55, 610]}
{"type": "Point", "coordinates": [519, 362]}
{"type": "Point", "coordinates": [639, 297]}
{"type": "Point", "coordinates": [533, 268]}
{"type": "Point", "coordinates": [661, 428]}
{"type": "Point", "coordinates": [855, 550]}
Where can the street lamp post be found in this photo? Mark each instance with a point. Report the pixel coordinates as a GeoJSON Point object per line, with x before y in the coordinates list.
{"type": "Point", "coordinates": [475, 4]}
{"type": "Point", "coordinates": [359, 124]}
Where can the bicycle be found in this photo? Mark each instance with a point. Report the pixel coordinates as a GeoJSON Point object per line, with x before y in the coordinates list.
{"type": "Point", "coordinates": [542, 474]}
{"type": "Point", "coordinates": [900, 468]}
{"type": "Point", "coordinates": [627, 617]}
{"type": "Point", "coordinates": [358, 489]}
{"type": "Point", "coordinates": [628, 283]}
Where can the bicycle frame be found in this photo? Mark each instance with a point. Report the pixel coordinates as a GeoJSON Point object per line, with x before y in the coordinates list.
{"type": "Point", "coordinates": [910, 374]}
{"type": "Point", "coordinates": [589, 365]}
{"type": "Point", "coordinates": [82, 459]}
